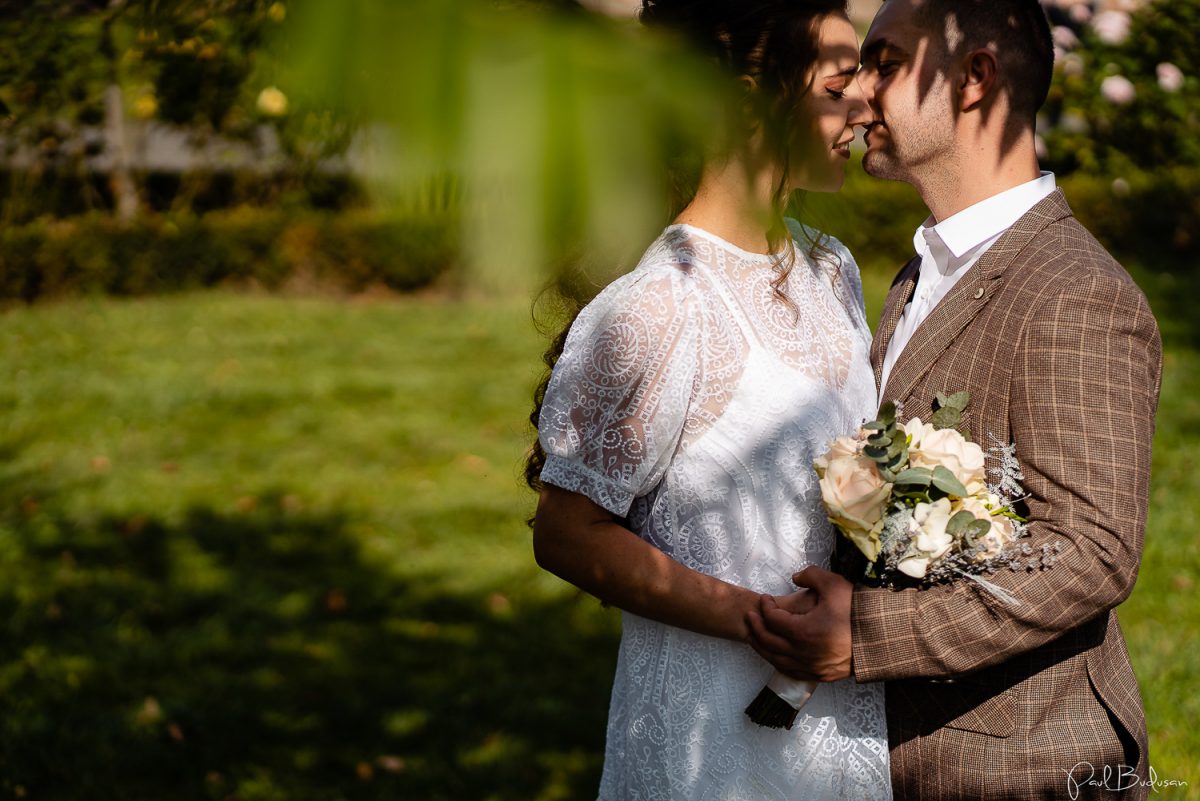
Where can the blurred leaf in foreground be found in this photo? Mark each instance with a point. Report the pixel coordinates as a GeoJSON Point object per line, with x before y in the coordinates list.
{"type": "Point", "coordinates": [556, 125]}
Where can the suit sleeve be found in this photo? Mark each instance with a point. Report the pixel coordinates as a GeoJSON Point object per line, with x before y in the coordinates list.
{"type": "Point", "coordinates": [1084, 396]}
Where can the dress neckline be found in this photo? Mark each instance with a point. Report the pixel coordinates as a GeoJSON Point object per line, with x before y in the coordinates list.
{"type": "Point", "coordinates": [726, 244]}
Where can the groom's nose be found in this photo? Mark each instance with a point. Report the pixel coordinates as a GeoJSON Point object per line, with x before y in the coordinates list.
{"type": "Point", "coordinates": [862, 112]}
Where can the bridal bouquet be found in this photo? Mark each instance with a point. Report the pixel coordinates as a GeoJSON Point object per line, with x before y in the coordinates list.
{"type": "Point", "coordinates": [915, 500]}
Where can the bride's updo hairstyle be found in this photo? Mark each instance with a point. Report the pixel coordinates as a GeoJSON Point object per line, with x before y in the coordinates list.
{"type": "Point", "coordinates": [767, 48]}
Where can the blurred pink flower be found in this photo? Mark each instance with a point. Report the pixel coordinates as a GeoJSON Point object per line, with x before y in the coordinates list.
{"type": "Point", "coordinates": [1065, 38]}
{"type": "Point", "coordinates": [1112, 27]}
{"type": "Point", "coordinates": [1170, 77]}
{"type": "Point", "coordinates": [1118, 90]}
{"type": "Point", "coordinates": [1080, 13]}
{"type": "Point", "coordinates": [1072, 65]}
{"type": "Point", "coordinates": [1039, 146]}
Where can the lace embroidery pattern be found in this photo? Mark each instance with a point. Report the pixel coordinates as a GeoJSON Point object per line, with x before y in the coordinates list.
{"type": "Point", "coordinates": [692, 401]}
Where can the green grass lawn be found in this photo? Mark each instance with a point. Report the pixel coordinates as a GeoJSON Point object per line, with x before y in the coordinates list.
{"type": "Point", "coordinates": [268, 548]}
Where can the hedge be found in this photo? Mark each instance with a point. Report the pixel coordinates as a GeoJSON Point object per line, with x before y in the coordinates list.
{"type": "Point", "coordinates": [1153, 218]}
{"type": "Point", "coordinates": [349, 252]}
{"type": "Point", "coordinates": [1150, 218]}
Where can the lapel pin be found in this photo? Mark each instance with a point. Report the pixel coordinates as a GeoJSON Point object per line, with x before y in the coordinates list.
{"type": "Point", "coordinates": [979, 293]}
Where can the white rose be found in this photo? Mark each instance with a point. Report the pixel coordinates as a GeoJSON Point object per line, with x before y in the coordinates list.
{"type": "Point", "coordinates": [1002, 532]}
{"type": "Point", "coordinates": [916, 430]}
{"type": "Point", "coordinates": [951, 450]}
{"type": "Point", "coordinates": [855, 496]}
{"type": "Point", "coordinates": [930, 541]}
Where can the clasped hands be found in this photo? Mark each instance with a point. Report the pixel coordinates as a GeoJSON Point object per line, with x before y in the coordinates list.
{"type": "Point", "coordinates": [806, 635]}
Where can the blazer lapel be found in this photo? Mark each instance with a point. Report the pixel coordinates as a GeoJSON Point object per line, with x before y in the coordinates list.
{"type": "Point", "coordinates": [893, 309]}
{"type": "Point", "coordinates": [973, 291]}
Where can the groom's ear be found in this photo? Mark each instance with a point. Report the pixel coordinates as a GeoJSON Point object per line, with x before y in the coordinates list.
{"type": "Point", "coordinates": [979, 79]}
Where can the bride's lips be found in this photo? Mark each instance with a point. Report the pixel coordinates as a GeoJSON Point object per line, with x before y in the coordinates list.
{"type": "Point", "coordinates": [843, 148]}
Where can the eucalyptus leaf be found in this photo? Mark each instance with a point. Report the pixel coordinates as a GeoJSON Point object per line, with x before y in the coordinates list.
{"type": "Point", "coordinates": [944, 480]}
{"type": "Point", "coordinates": [979, 528]}
{"type": "Point", "coordinates": [877, 454]}
{"type": "Point", "coordinates": [946, 417]}
{"type": "Point", "coordinates": [960, 523]}
{"type": "Point", "coordinates": [887, 414]}
{"type": "Point", "coordinates": [916, 477]}
{"type": "Point", "coordinates": [959, 400]}
{"type": "Point", "coordinates": [879, 441]}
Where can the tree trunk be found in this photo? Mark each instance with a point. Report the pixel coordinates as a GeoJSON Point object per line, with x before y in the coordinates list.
{"type": "Point", "coordinates": [120, 176]}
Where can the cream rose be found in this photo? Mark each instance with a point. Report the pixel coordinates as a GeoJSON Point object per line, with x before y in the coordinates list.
{"type": "Point", "coordinates": [951, 450]}
{"type": "Point", "coordinates": [855, 496]}
{"type": "Point", "coordinates": [842, 448]}
{"type": "Point", "coordinates": [930, 541]}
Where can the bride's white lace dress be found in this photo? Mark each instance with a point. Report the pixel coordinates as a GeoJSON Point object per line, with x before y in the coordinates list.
{"type": "Point", "coordinates": [691, 399]}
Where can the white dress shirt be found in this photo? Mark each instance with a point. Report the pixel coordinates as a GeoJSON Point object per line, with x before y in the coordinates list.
{"type": "Point", "coordinates": [949, 248]}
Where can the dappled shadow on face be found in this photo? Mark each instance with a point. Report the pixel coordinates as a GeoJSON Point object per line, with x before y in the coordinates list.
{"type": "Point", "coordinates": [939, 37]}
{"type": "Point", "coordinates": [261, 655]}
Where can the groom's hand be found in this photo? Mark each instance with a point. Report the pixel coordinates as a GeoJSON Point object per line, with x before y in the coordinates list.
{"type": "Point", "coordinates": [812, 644]}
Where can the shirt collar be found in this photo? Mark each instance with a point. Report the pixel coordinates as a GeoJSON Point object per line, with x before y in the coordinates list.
{"type": "Point", "coordinates": [985, 220]}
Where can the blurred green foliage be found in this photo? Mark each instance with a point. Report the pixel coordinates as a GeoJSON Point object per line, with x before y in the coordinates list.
{"type": "Point", "coordinates": [558, 123]}
{"type": "Point", "coordinates": [246, 247]}
{"type": "Point", "coordinates": [209, 67]}
{"type": "Point", "coordinates": [1107, 132]}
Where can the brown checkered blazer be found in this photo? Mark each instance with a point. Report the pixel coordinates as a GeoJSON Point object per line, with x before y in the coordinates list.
{"type": "Point", "coordinates": [1062, 356]}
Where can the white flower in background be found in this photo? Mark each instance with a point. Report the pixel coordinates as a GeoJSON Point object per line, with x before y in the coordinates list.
{"type": "Point", "coordinates": [272, 102]}
{"type": "Point", "coordinates": [1073, 122]}
{"type": "Point", "coordinates": [1072, 65]}
{"type": "Point", "coordinates": [1080, 13]}
{"type": "Point", "coordinates": [1121, 187]}
{"type": "Point", "coordinates": [1118, 90]}
{"type": "Point", "coordinates": [1112, 27]}
{"type": "Point", "coordinates": [1065, 38]}
{"type": "Point", "coordinates": [1170, 77]}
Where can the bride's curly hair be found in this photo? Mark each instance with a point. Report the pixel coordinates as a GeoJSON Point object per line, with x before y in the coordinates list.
{"type": "Point", "coordinates": [769, 44]}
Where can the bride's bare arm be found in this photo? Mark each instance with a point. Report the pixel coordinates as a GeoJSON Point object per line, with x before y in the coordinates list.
{"type": "Point", "coordinates": [580, 542]}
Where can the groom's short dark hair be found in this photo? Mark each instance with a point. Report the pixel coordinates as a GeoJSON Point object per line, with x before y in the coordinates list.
{"type": "Point", "coordinates": [1020, 33]}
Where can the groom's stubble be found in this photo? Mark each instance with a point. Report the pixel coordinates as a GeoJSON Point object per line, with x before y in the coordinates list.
{"type": "Point", "coordinates": [914, 137]}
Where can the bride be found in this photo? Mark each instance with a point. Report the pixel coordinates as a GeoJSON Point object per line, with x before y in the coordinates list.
{"type": "Point", "coordinates": [678, 429]}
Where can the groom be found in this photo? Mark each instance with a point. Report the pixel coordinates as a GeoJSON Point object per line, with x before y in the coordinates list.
{"type": "Point", "coordinates": [1012, 300]}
